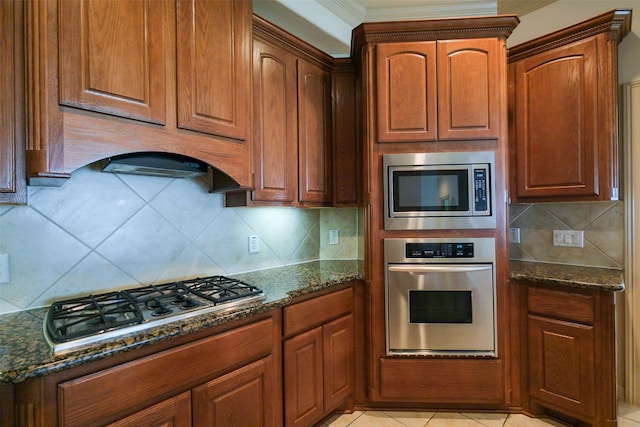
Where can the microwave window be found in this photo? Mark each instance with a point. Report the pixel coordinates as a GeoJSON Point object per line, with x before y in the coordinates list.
{"type": "Point", "coordinates": [440, 307]}
{"type": "Point", "coordinates": [431, 190]}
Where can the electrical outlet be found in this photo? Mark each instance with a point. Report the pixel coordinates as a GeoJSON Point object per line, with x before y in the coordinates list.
{"type": "Point", "coordinates": [514, 235]}
{"type": "Point", "coordinates": [568, 238]}
{"type": "Point", "coordinates": [5, 276]}
{"type": "Point", "coordinates": [254, 244]}
{"type": "Point", "coordinates": [334, 237]}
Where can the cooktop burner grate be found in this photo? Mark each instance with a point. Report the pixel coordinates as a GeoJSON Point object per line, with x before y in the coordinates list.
{"type": "Point", "coordinates": [220, 289]}
{"type": "Point", "coordinates": [92, 314]}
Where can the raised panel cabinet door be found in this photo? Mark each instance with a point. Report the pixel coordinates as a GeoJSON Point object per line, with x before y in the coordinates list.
{"type": "Point", "coordinates": [339, 361]}
{"type": "Point", "coordinates": [303, 388]}
{"type": "Point", "coordinates": [556, 122]}
{"type": "Point", "coordinates": [238, 399]}
{"type": "Point", "coordinates": [407, 91]}
{"type": "Point", "coordinates": [275, 124]}
{"type": "Point", "coordinates": [214, 67]}
{"type": "Point", "coordinates": [173, 412]}
{"type": "Point", "coordinates": [13, 187]}
{"type": "Point", "coordinates": [112, 57]}
{"type": "Point", "coordinates": [561, 365]}
{"type": "Point", "coordinates": [314, 134]}
{"type": "Point", "coordinates": [469, 86]}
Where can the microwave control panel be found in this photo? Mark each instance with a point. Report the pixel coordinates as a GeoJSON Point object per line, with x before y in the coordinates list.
{"type": "Point", "coordinates": [439, 250]}
{"type": "Point", "coordinates": [480, 183]}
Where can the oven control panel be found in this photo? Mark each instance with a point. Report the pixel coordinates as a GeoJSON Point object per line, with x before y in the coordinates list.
{"type": "Point", "coordinates": [439, 250]}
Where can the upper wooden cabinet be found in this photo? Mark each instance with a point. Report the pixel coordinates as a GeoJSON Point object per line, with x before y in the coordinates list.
{"type": "Point", "coordinates": [563, 112]}
{"type": "Point", "coordinates": [113, 77]}
{"type": "Point", "coordinates": [438, 90]}
{"type": "Point", "coordinates": [314, 133]}
{"type": "Point", "coordinates": [292, 128]}
{"type": "Point", "coordinates": [13, 187]}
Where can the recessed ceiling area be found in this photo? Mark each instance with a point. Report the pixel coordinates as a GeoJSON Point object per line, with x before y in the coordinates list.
{"type": "Point", "coordinates": [327, 24]}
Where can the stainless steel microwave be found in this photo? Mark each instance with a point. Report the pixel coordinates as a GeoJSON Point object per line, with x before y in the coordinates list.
{"type": "Point", "coordinates": [453, 190]}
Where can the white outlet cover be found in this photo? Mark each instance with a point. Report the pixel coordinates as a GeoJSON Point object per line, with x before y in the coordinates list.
{"type": "Point", "coordinates": [5, 276]}
{"type": "Point", "coordinates": [254, 244]}
{"type": "Point", "coordinates": [334, 237]}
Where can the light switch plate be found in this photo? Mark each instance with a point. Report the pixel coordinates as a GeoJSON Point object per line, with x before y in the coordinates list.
{"type": "Point", "coordinates": [568, 238]}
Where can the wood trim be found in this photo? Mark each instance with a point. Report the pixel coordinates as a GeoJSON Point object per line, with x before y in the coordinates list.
{"type": "Point", "coordinates": [432, 29]}
{"type": "Point", "coordinates": [616, 22]}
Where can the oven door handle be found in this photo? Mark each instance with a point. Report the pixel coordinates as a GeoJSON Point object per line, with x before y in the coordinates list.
{"type": "Point", "coordinates": [439, 268]}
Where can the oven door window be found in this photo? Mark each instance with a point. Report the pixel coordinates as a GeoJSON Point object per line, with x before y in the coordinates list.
{"type": "Point", "coordinates": [440, 306]}
{"type": "Point", "coordinates": [439, 190]}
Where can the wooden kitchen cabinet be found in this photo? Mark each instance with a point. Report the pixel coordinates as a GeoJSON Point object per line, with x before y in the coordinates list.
{"type": "Point", "coordinates": [438, 90]}
{"type": "Point", "coordinates": [563, 112]}
{"type": "Point", "coordinates": [101, 86]}
{"type": "Point", "coordinates": [13, 184]}
{"type": "Point", "coordinates": [174, 412]}
{"type": "Point", "coordinates": [314, 133]}
{"type": "Point", "coordinates": [292, 122]}
{"type": "Point", "coordinates": [318, 362]}
{"type": "Point", "coordinates": [568, 351]}
{"type": "Point", "coordinates": [240, 398]}
{"type": "Point", "coordinates": [227, 379]}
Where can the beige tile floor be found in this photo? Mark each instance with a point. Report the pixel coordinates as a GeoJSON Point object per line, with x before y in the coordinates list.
{"type": "Point", "coordinates": [628, 416]}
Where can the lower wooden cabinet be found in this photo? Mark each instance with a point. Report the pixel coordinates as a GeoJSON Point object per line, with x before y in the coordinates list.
{"type": "Point", "coordinates": [174, 412]}
{"type": "Point", "coordinates": [240, 398]}
{"type": "Point", "coordinates": [319, 363]}
{"type": "Point", "coordinates": [568, 343]}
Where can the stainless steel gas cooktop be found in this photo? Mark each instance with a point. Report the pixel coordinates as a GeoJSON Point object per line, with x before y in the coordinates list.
{"type": "Point", "coordinates": [78, 323]}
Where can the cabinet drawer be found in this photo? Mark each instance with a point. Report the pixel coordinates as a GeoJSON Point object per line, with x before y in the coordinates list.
{"type": "Point", "coordinates": [305, 315]}
{"type": "Point", "coordinates": [564, 305]}
{"type": "Point", "coordinates": [109, 394]}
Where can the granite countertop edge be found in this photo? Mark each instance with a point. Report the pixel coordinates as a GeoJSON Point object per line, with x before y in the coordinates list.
{"type": "Point", "coordinates": [597, 278]}
{"type": "Point", "coordinates": [25, 353]}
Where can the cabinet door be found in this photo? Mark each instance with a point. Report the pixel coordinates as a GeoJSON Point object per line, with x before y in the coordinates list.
{"type": "Point", "coordinates": [406, 86]}
{"type": "Point", "coordinates": [214, 67]}
{"type": "Point", "coordinates": [240, 398]}
{"type": "Point", "coordinates": [173, 412]}
{"type": "Point", "coordinates": [339, 360]}
{"type": "Point", "coordinates": [13, 187]}
{"type": "Point", "coordinates": [303, 388]}
{"type": "Point", "coordinates": [469, 88]}
{"type": "Point", "coordinates": [113, 57]}
{"type": "Point", "coordinates": [275, 132]}
{"type": "Point", "coordinates": [556, 122]}
{"type": "Point", "coordinates": [561, 364]}
{"type": "Point", "coordinates": [314, 134]}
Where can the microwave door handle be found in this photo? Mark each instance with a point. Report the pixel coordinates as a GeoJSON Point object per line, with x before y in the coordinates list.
{"type": "Point", "coordinates": [422, 269]}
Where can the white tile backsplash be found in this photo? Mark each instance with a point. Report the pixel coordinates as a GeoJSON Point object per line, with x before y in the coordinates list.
{"type": "Point", "coordinates": [101, 231]}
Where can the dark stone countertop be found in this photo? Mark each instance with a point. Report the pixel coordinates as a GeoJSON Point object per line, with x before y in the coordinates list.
{"type": "Point", "coordinates": [604, 279]}
{"type": "Point", "coordinates": [25, 354]}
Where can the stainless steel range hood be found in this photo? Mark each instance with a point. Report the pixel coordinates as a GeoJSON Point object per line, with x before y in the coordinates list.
{"type": "Point", "coordinates": [156, 164]}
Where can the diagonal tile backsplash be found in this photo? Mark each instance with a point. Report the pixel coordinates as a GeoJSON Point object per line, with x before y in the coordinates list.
{"type": "Point", "coordinates": [101, 231]}
{"type": "Point", "coordinates": [601, 222]}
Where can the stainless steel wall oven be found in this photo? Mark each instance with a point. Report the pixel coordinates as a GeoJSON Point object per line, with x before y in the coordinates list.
{"type": "Point", "coordinates": [441, 296]}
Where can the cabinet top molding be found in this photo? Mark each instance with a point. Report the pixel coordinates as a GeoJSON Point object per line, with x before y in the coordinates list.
{"type": "Point", "coordinates": [616, 22]}
{"type": "Point", "coordinates": [432, 29]}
